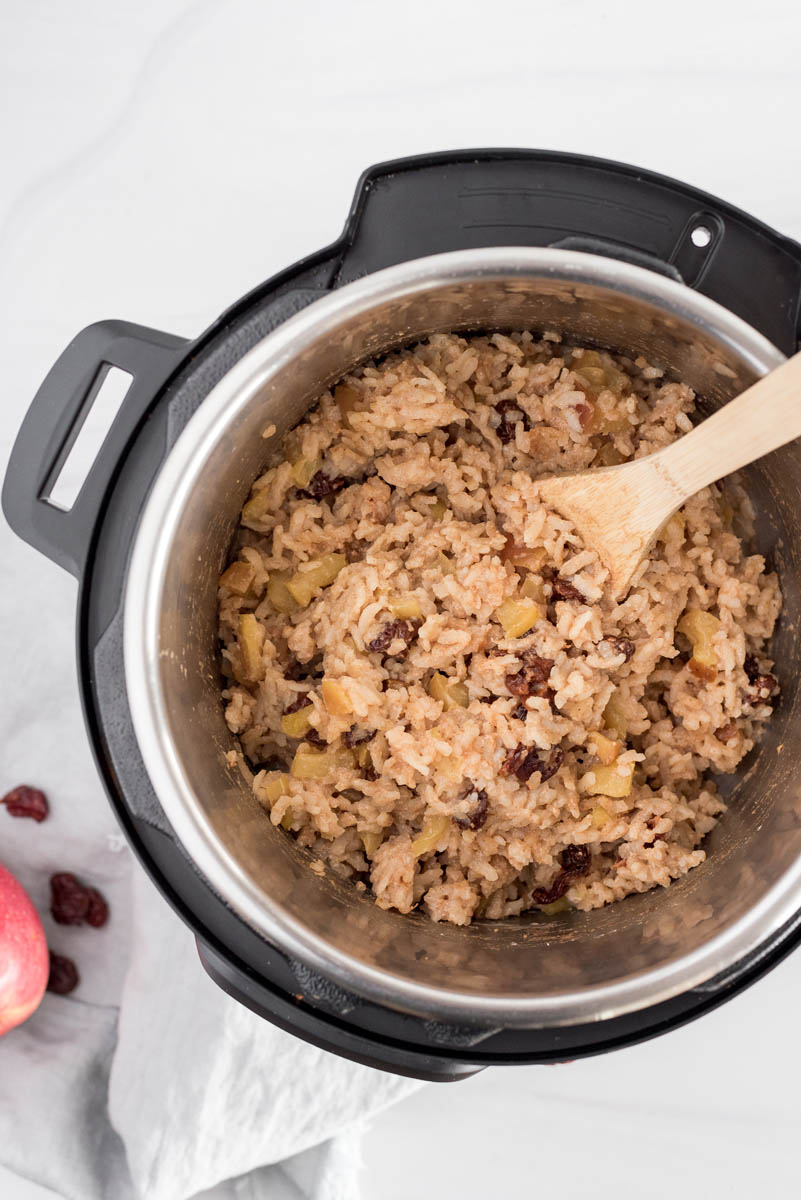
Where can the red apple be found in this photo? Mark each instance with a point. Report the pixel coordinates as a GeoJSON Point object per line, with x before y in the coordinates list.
{"type": "Point", "coordinates": [24, 961]}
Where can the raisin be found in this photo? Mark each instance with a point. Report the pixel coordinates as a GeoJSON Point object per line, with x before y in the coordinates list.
{"type": "Point", "coordinates": [481, 805]}
{"type": "Point", "coordinates": [525, 760]}
{"type": "Point", "coordinates": [765, 686]}
{"type": "Point", "coordinates": [576, 859]}
{"type": "Point", "coordinates": [64, 977]}
{"type": "Point", "coordinates": [621, 645]}
{"type": "Point", "coordinates": [357, 737]}
{"type": "Point", "coordinates": [511, 415]}
{"type": "Point", "coordinates": [69, 899]}
{"type": "Point", "coordinates": [315, 738]}
{"type": "Point", "coordinates": [294, 671]}
{"type": "Point", "coordinates": [405, 630]}
{"type": "Point", "coordinates": [532, 678]}
{"type": "Point", "coordinates": [24, 801]}
{"type": "Point", "coordinates": [370, 773]}
{"type": "Point", "coordinates": [575, 863]}
{"type": "Point", "coordinates": [321, 485]}
{"type": "Point", "coordinates": [300, 701]}
{"type": "Point", "coordinates": [562, 590]}
{"type": "Point", "coordinates": [726, 732]}
{"type": "Point", "coordinates": [97, 914]}
{"type": "Point", "coordinates": [520, 713]}
{"type": "Point", "coordinates": [751, 666]}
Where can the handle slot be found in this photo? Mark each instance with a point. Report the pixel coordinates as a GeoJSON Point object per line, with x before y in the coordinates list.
{"type": "Point", "coordinates": [86, 437]}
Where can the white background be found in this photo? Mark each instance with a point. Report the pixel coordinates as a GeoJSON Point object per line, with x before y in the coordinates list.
{"type": "Point", "coordinates": [158, 158]}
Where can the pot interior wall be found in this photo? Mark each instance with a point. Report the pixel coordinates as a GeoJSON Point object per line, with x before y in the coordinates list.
{"type": "Point", "coordinates": [759, 838]}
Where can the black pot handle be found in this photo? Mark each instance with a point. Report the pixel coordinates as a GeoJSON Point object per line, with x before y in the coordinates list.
{"type": "Point", "coordinates": [469, 198]}
{"type": "Point", "coordinates": [54, 420]}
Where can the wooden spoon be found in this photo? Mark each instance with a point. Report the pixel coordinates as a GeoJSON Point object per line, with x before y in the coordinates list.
{"type": "Point", "coordinates": [618, 511]}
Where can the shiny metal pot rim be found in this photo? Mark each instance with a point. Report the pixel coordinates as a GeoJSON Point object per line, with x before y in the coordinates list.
{"type": "Point", "coordinates": [180, 474]}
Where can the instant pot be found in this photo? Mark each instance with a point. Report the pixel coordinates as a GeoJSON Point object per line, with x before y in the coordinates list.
{"type": "Point", "coordinates": [471, 240]}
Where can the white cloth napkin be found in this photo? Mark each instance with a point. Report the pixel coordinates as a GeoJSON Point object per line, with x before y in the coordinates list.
{"type": "Point", "coordinates": [148, 1082]}
{"type": "Point", "coordinates": [178, 1089]}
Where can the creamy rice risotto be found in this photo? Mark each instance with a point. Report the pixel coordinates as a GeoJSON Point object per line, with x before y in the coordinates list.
{"type": "Point", "coordinates": [435, 694]}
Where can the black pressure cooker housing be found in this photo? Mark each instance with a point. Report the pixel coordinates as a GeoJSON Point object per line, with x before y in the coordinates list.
{"type": "Point", "coordinates": [402, 210]}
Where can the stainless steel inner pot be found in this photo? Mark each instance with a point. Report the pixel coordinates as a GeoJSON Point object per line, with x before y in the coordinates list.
{"type": "Point", "coordinates": [531, 971]}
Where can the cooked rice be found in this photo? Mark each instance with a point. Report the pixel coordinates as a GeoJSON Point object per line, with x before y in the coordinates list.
{"type": "Point", "coordinates": [487, 804]}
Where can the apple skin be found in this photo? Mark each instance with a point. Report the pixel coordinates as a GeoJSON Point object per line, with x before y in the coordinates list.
{"type": "Point", "coordinates": [24, 960]}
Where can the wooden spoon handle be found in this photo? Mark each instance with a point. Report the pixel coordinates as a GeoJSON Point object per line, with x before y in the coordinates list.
{"type": "Point", "coordinates": [762, 418]}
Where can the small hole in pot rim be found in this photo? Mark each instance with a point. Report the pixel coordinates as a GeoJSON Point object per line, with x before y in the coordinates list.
{"type": "Point", "coordinates": [701, 236]}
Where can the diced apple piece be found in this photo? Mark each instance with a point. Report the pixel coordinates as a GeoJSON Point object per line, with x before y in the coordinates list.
{"type": "Point", "coordinates": [406, 607]}
{"type": "Point", "coordinates": [599, 817]}
{"type": "Point", "coordinates": [602, 746]}
{"type": "Point", "coordinates": [371, 841]}
{"type": "Point", "coordinates": [556, 906]}
{"type": "Point", "coordinates": [297, 724]}
{"type": "Point", "coordinates": [520, 555]}
{"type": "Point", "coordinates": [335, 698]}
{"type": "Point", "coordinates": [238, 577]}
{"type": "Point", "coordinates": [309, 763]}
{"type": "Point", "coordinates": [303, 470]}
{"type": "Point", "coordinates": [363, 756]}
{"type": "Point", "coordinates": [257, 505]}
{"type": "Point", "coordinates": [532, 588]}
{"type": "Point", "coordinates": [518, 615]}
{"type": "Point", "coordinates": [319, 573]}
{"type": "Point", "coordinates": [251, 644]}
{"type": "Point", "coordinates": [451, 695]}
{"type": "Point", "coordinates": [275, 785]}
{"type": "Point", "coordinates": [434, 828]}
{"type": "Point", "coordinates": [700, 627]}
{"type": "Point", "coordinates": [615, 717]}
{"type": "Point", "coordinates": [614, 780]}
{"type": "Point", "coordinates": [347, 400]}
{"type": "Point", "coordinates": [280, 596]}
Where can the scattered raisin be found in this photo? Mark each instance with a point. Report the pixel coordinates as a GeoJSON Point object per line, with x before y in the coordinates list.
{"type": "Point", "coordinates": [294, 671]}
{"type": "Point", "coordinates": [315, 738]}
{"type": "Point", "coordinates": [404, 629]}
{"type": "Point", "coordinates": [321, 485]}
{"type": "Point", "coordinates": [575, 863]}
{"type": "Point", "coordinates": [357, 737]}
{"type": "Point", "coordinates": [64, 977]}
{"type": "Point", "coordinates": [301, 701]}
{"type": "Point", "coordinates": [576, 859]}
{"type": "Point", "coordinates": [97, 914]}
{"type": "Point", "coordinates": [532, 678]}
{"type": "Point", "coordinates": [520, 713]}
{"type": "Point", "coordinates": [751, 667]}
{"type": "Point", "coordinates": [511, 414]}
{"type": "Point", "coordinates": [370, 773]}
{"type": "Point", "coordinates": [621, 645]}
{"type": "Point", "coordinates": [24, 801]}
{"type": "Point", "coordinates": [481, 805]}
{"type": "Point", "coordinates": [562, 590]}
{"type": "Point", "coordinates": [726, 732]}
{"type": "Point", "coordinates": [69, 899]}
{"type": "Point", "coordinates": [72, 903]}
{"type": "Point", "coordinates": [525, 760]}
{"type": "Point", "coordinates": [763, 685]}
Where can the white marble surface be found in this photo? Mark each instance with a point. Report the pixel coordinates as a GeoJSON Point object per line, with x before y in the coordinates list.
{"type": "Point", "coordinates": [158, 159]}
